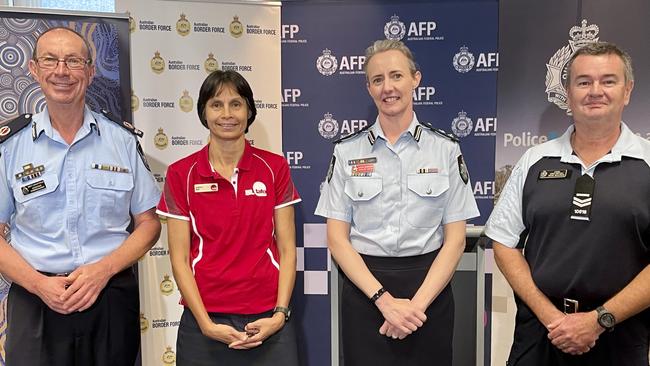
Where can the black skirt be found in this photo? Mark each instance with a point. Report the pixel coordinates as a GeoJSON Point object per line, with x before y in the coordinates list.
{"type": "Point", "coordinates": [362, 344]}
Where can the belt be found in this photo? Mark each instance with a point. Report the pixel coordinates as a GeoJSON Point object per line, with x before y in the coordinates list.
{"type": "Point", "coordinates": [66, 274]}
{"type": "Point", "coordinates": [570, 306]}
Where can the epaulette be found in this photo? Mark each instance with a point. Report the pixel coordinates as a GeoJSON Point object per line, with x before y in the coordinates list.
{"type": "Point", "coordinates": [10, 128]}
{"type": "Point", "coordinates": [443, 133]}
{"type": "Point", "coordinates": [127, 125]}
{"type": "Point", "coordinates": [347, 137]}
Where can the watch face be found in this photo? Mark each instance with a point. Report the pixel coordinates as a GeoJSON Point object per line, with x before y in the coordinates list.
{"type": "Point", "coordinates": [607, 320]}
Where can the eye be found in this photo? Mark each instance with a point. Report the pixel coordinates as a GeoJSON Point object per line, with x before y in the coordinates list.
{"type": "Point", "coordinates": [377, 81]}
{"type": "Point", "coordinates": [397, 76]}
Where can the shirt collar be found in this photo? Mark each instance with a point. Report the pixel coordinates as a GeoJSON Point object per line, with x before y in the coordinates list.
{"type": "Point", "coordinates": [41, 124]}
{"type": "Point", "coordinates": [205, 169]}
{"type": "Point", "coordinates": [626, 145]}
{"type": "Point", "coordinates": [414, 130]}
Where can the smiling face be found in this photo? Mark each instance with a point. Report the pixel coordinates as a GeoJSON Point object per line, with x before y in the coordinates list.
{"type": "Point", "coordinates": [62, 86]}
{"type": "Point", "coordinates": [598, 91]}
{"type": "Point", "coordinates": [226, 114]}
{"type": "Point", "coordinates": [391, 83]}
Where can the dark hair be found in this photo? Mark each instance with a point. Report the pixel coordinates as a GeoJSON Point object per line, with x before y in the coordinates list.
{"type": "Point", "coordinates": [86, 43]}
{"type": "Point", "coordinates": [598, 49]}
{"type": "Point", "coordinates": [215, 82]}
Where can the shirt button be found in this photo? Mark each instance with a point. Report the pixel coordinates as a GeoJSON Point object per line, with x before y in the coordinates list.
{"type": "Point", "coordinates": [429, 191]}
{"type": "Point", "coordinates": [360, 194]}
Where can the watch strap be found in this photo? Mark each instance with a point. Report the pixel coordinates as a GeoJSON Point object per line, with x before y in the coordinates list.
{"type": "Point", "coordinates": [282, 309]}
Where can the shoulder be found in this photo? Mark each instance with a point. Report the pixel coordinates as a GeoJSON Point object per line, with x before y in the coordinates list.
{"type": "Point", "coordinates": [366, 131]}
{"type": "Point", "coordinates": [437, 132]}
{"type": "Point", "coordinates": [114, 122]}
{"type": "Point", "coordinates": [184, 165]}
{"type": "Point", "coordinates": [271, 158]}
{"type": "Point", "coordinates": [12, 127]}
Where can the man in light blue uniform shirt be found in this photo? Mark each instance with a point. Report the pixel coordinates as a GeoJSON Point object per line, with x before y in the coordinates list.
{"type": "Point", "coordinates": [70, 180]}
{"type": "Point", "coordinates": [396, 199]}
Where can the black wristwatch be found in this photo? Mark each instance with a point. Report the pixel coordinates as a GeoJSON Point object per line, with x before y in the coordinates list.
{"type": "Point", "coordinates": [605, 318]}
{"type": "Point", "coordinates": [285, 311]}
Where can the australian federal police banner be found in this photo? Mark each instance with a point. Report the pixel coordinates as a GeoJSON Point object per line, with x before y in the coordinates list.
{"type": "Point", "coordinates": [536, 39]}
{"type": "Point", "coordinates": [324, 97]}
{"type": "Point", "coordinates": [20, 93]}
{"type": "Point", "coordinates": [175, 46]}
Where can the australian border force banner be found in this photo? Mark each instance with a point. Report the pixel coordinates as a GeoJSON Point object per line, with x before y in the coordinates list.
{"type": "Point", "coordinates": [20, 93]}
{"type": "Point", "coordinates": [532, 104]}
{"type": "Point", "coordinates": [175, 46]}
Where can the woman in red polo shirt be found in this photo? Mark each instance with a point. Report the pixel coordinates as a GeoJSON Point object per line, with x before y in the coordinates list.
{"type": "Point", "coordinates": [232, 238]}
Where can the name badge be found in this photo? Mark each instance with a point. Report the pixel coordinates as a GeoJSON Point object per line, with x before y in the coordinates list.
{"type": "Point", "coordinates": [33, 187]}
{"type": "Point", "coordinates": [555, 174]}
{"type": "Point", "coordinates": [206, 187]}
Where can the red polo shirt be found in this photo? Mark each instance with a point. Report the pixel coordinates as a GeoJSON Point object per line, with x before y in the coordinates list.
{"type": "Point", "coordinates": [233, 252]}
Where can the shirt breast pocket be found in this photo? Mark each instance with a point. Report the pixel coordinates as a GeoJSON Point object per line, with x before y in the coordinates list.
{"type": "Point", "coordinates": [109, 197]}
{"type": "Point", "coordinates": [426, 199]}
{"type": "Point", "coordinates": [367, 206]}
{"type": "Point", "coordinates": [37, 204]}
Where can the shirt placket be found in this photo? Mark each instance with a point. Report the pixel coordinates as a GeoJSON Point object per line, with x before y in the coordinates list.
{"type": "Point", "coordinates": [393, 177]}
{"type": "Point", "coordinates": [72, 195]}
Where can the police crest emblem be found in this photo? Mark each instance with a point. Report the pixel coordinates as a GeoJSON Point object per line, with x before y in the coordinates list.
{"type": "Point", "coordinates": [556, 66]}
{"type": "Point", "coordinates": [183, 26]}
{"type": "Point", "coordinates": [185, 102]}
{"type": "Point", "coordinates": [211, 64]}
{"type": "Point", "coordinates": [394, 30]}
{"type": "Point", "coordinates": [462, 125]}
{"type": "Point", "coordinates": [166, 286]}
{"type": "Point", "coordinates": [464, 60]}
{"type": "Point", "coordinates": [328, 127]}
{"type": "Point", "coordinates": [327, 63]}
{"type": "Point", "coordinates": [160, 140]}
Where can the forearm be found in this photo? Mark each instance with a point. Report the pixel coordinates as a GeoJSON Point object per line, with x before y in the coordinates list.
{"type": "Point", "coordinates": [145, 234]}
{"type": "Point", "coordinates": [632, 299]}
{"type": "Point", "coordinates": [349, 259]}
{"type": "Point", "coordinates": [517, 272]}
{"type": "Point", "coordinates": [189, 290]}
{"type": "Point", "coordinates": [14, 267]}
{"type": "Point", "coordinates": [443, 267]}
{"type": "Point", "coordinates": [287, 276]}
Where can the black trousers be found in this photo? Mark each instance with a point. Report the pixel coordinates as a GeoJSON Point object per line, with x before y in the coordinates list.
{"type": "Point", "coordinates": [360, 319]}
{"type": "Point", "coordinates": [627, 345]}
{"type": "Point", "coordinates": [195, 349]}
{"type": "Point", "coordinates": [106, 334]}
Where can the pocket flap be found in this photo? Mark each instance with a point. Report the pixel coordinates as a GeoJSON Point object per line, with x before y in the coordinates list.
{"type": "Point", "coordinates": [362, 188]}
{"type": "Point", "coordinates": [109, 180]}
{"type": "Point", "coordinates": [428, 185]}
{"type": "Point", "coordinates": [36, 188]}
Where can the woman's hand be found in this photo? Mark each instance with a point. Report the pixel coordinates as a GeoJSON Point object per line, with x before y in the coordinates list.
{"type": "Point", "coordinates": [259, 330]}
{"type": "Point", "coordinates": [228, 335]}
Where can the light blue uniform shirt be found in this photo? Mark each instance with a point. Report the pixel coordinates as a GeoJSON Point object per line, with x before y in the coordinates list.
{"type": "Point", "coordinates": [397, 197]}
{"type": "Point", "coordinates": [76, 210]}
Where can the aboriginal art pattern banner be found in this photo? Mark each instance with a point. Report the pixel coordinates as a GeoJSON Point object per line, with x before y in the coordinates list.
{"type": "Point", "coordinates": [175, 45]}
{"type": "Point", "coordinates": [324, 97]}
{"type": "Point", "coordinates": [536, 40]}
{"type": "Point", "coordinates": [20, 93]}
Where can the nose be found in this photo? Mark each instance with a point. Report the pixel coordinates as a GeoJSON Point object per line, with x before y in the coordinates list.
{"type": "Point", "coordinates": [61, 68]}
{"type": "Point", "coordinates": [596, 88]}
{"type": "Point", "coordinates": [387, 85]}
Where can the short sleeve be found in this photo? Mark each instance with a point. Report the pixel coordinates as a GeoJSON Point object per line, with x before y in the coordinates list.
{"type": "Point", "coordinates": [285, 191]}
{"type": "Point", "coordinates": [7, 206]}
{"type": "Point", "coordinates": [145, 189]}
{"type": "Point", "coordinates": [461, 204]}
{"type": "Point", "coordinates": [173, 201]}
{"type": "Point", "coordinates": [333, 202]}
{"type": "Point", "coordinates": [505, 224]}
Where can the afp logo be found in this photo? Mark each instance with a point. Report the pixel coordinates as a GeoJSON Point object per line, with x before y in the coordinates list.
{"type": "Point", "coordinates": [464, 61]}
{"type": "Point", "coordinates": [327, 64]}
{"type": "Point", "coordinates": [462, 125]}
{"type": "Point", "coordinates": [416, 31]}
{"type": "Point", "coordinates": [423, 95]}
{"type": "Point", "coordinates": [394, 30]}
{"type": "Point", "coordinates": [328, 127]}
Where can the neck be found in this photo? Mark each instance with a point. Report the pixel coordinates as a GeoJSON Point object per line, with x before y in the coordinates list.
{"type": "Point", "coordinates": [67, 120]}
{"type": "Point", "coordinates": [394, 126]}
{"type": "Point", "coordinates": [592, 142]}
{"type": "Point", "coordinates": [225, 155]}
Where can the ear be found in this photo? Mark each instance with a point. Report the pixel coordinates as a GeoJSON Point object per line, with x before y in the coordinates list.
{"type": "Point", "coordinates": [33, 69]}
{"type": "Point", "coordinates": [91, 73]}
{"type": "Point", "coordinates": [628, 91]}
{"type": "Point", "coordinates": [416, 79]}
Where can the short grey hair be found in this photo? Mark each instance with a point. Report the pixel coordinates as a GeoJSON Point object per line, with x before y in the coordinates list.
{"type": "Point", "coordinates": [384, 45]}
{"type": "Point", "coordinates": [598, 49]}
{"type": "Point", "coordinates": [85, 41]}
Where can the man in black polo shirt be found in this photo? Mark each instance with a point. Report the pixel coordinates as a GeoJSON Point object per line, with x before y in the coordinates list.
{"type": "Point", "coordinates": [581, 206]}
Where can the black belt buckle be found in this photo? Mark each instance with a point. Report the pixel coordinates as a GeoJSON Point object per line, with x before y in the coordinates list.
{"type": "Point", "coordinates": [570, 306]}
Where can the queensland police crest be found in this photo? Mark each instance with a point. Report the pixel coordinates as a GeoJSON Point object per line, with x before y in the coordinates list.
{"type": "Point", "coordinates": [327, 63]}
{"type": "Point", "coordinates": [394, 30]}
{"type": "Point", "coordinates": [556, 66]}
{"type": "Point", "coordinates": [464, 60]}
{"type": "Point", "coordinates": [462, 125]}
{"type": "Point", "coordinates": [328, 127]}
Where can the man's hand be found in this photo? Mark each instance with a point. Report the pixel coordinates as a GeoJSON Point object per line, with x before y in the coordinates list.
{"type": "Point", "coordinates": [575, 333]}
{"type": "Point", "coordinates": [85, 284]}
{"type": "Point", "coordinates": [402, 316]}
{"type": "Point", "coordinates": [50, 289]}
{"type": "Point", "coordinates": [259, 330]}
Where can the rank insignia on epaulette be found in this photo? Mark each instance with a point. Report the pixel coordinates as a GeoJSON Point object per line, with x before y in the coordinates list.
{"type": "Point", "coordinates": [127, 125]}
{"type": "Point", "coordinates": [443, 133]}
{"type": "Point", "coordinates": [8, 129]}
